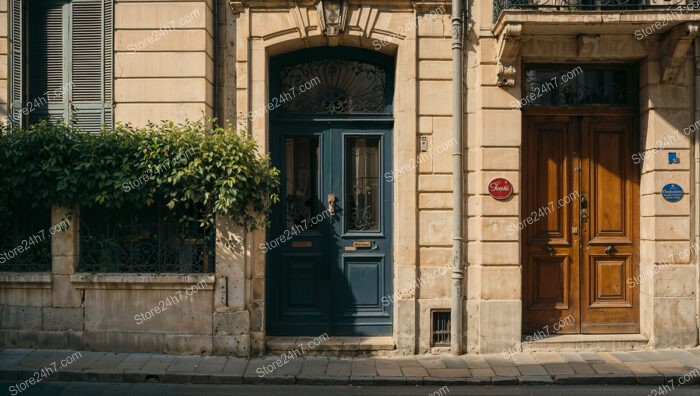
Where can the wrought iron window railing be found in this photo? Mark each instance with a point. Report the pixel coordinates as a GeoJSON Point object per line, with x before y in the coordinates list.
{"type": "Point", "coordinates": [590, 5]}
{"type": "Point", "coordinates": [25, 240]}
{"type": "Point", "coordinates": [148, 240]}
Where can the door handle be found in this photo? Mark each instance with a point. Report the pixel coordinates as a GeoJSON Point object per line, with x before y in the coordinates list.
{"type": "Point", "coordinates": [331, 204]}
{"type": "Point", "coordinates": [584, 208]}
{"type": "Point", "coordinates": [548, 249]}
{"type": "Point", "coordinates": [610, 250]}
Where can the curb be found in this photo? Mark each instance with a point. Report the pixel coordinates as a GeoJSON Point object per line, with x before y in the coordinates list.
{"type": "Point", "coordinates": [131, 376]}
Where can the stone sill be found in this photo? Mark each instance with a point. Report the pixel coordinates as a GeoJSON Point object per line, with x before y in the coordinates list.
{"type": "Point", "coordinates": [141, 281]}
{"type": "Point", "coordinates": [592, 22]}
{"type": "Point", "coordinates": [25, 279]}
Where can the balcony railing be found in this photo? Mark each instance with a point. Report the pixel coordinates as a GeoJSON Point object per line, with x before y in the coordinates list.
{"type": "Point", "coordinates": [591, 5]}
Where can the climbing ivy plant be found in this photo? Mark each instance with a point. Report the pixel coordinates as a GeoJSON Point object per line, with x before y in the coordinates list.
{"type": "Point", "coordinates": [215, 168]}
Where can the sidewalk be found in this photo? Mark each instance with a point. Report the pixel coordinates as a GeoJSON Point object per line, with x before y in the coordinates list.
{"type": "Point", "coordinates": [652, 367]}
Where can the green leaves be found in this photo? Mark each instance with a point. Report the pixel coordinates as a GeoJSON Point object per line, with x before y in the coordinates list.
{"type": "Point", "coordinates": [186, 165]}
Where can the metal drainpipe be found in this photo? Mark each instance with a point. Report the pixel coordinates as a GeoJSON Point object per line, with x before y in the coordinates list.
{"type": "Point", "coordinates": [696, 192]}
{"type": "Point", "coordinates": [457, 273]}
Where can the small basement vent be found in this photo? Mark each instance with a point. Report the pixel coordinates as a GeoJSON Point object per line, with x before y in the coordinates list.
{"type": "Point", "coordinates": [441, 327]}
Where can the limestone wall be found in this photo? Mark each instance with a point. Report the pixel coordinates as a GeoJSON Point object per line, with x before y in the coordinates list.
{"type": "Point", "coordinates": [163, 61]}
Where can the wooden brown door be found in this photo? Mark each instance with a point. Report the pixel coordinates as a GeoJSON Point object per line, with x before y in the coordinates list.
{"type": "Point", "coordinates": [579, 224]}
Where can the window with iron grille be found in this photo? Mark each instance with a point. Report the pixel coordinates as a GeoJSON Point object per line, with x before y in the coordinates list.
{"type": "Point", "coordinates": [25, 241]}
{"type": "Point", "coordinates": [61, 62]}
{"type": "Point", "coordinates": [440, 323]}
{"type": "Point", "coordinates": [148, 240]}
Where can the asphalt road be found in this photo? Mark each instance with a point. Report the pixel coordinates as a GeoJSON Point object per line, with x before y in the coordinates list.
{"type": "Point", "coordinates": [113, 389]}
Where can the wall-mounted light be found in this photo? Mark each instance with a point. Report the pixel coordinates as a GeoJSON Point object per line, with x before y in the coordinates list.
{"type": "Point", "coordinates": [332, 15]}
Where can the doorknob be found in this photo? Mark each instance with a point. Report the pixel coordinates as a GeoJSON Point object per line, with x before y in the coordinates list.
{"type": "Point", "coordinates": [331, 204]}
{"type": "Point", "coordinates": [584, 208]}
{"type": "Point", "coordinates": [548, 249]}
{"type": "Point", "coordinates": [610, 250]}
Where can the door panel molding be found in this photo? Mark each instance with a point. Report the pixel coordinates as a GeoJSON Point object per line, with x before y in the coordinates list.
{"type": "Point", "coordinates": [578, 257]}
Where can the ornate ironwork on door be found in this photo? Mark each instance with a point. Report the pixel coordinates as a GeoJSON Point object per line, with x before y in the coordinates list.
{"type": "Point", "coordinates": [333, 86]}
{"type": "Point", "coordinates": [578, 86]}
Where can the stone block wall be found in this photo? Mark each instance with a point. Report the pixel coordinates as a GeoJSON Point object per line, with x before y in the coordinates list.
{"type": "Point", "coordinates": [163, 60]}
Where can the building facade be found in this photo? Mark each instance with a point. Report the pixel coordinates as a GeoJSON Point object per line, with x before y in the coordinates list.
{"type": "Point", "coordinates": [577, 160]}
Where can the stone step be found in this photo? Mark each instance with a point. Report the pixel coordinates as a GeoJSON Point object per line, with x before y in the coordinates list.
{"type": "Point", "coordinates": [332, 346]}
{"type": "Point", "coordinates": [586, 342]}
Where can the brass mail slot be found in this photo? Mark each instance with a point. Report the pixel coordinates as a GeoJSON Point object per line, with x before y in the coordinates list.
{"type": "Point", "coordinates": [304, 244]}
{"type": "Point", "coordinates": [362, 244]}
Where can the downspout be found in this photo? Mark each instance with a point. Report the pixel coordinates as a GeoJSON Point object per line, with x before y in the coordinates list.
{"type": "Point", "coordinates": [457, 166]}
{"type": "Point", "coordinates": [696, 190]}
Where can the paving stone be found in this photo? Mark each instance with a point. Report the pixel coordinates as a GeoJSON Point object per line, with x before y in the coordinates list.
{"type": "Point", "coordinates": [536, 380]}
{"type": "Point", "coordinates": [408, 362]}
{"type": "Point", "coordinates": [534, 369]}
{"type": "Point", "coordinates": [641, 368]}
{"type": "Point", "coordinates": [694, 351]}
{"type": "Point", "coordinates": [483, 373]}
{"type": "Point", "coordinates": [134, 361]}
{"type": "Point", "coordinates": [649, 356]}
{"type": "Point", "coordinates": [339, 368]}
{"type": "Point", "coordinates": [524, 358]}
{"type": "Point", "coordinates": [363, 368]}
{"type": "Point", "coordinates": [185, 364]}
{"type": "Point", "coordinates": [668, 367]}
{"type": "Point", "coordinates": [431, 362]}
{"type": "Point", "coordinates": [158, 363]}
{"type": "Point", "coordinates": [476, 361]}
{"type": "Point", "coordinates": [591, 357]}
{"type": "Point", "coordinates": [624, 357]}
{"type": "Point", "coordinates": [387, 368]}
{"type": "Point", "coordinates": [548, 357]}
{"type": "Point", "coordinates": [414, 371]}
{"type": "Point", "coordinates": [212, 364]}
{"type": "Point", "coordinates": [582, 368]}
{"type": "Point", "coordinates": [454, 362]}
{"type": "Point", "coordinates": [607, 368]}
{"type": "Point", "coordinates": [235, 366]}
{"type": "Point", "coordinates": [316, 361]}
{"type": "Point", "coordinates": [449, 373]}
{"type": "Point", "coordinates": [506, 371]}
{"type": "Point", "coordinates": [312, 371]}
{"type": "Point", "coordinates": [572, 357]}
{"type": "Point", "coordinates": [681, 356]}
{"type": "Point", "coordinates": [499, 361]}
{"type": "Point", "coordinates": [558, 368]}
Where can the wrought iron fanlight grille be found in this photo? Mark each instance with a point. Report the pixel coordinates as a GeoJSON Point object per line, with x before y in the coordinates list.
{"type": "Point", "coordinates": [592, 86]}
{"type": "Point", "coordinates": [333, 87]}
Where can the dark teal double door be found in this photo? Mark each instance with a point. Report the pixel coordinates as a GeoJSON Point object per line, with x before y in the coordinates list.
{"type": "Point", "coordinates": [329, 247]}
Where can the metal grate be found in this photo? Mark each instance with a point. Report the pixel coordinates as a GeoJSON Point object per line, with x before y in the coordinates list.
{"type": "Point", "coordinates": [148, 240]}
{"type": "Point", "coordinates": [25, 241]}
{"type": "Point", "coordinates": [441, 327]}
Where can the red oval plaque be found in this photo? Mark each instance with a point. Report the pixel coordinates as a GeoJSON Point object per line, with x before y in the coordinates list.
{"type": "Point", "coordinates": [500, 188]}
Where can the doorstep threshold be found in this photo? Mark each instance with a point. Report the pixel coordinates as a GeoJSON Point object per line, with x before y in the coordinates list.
{"type": "Point", "coordinates": [565, 338]}
{"type": "Point", "coordinates": [333, 344]}
{"type": "Point", "coordinates": [591, 342]}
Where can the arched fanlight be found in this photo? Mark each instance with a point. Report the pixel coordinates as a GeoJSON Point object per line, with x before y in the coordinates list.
{"type": "Point", "coordinates": [332, 15]}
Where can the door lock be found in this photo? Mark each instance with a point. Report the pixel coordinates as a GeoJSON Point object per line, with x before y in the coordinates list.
{"type": "Point", "coordinates": [584, 208]}
{"type": "Point", "coordinates": [331, 204]}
